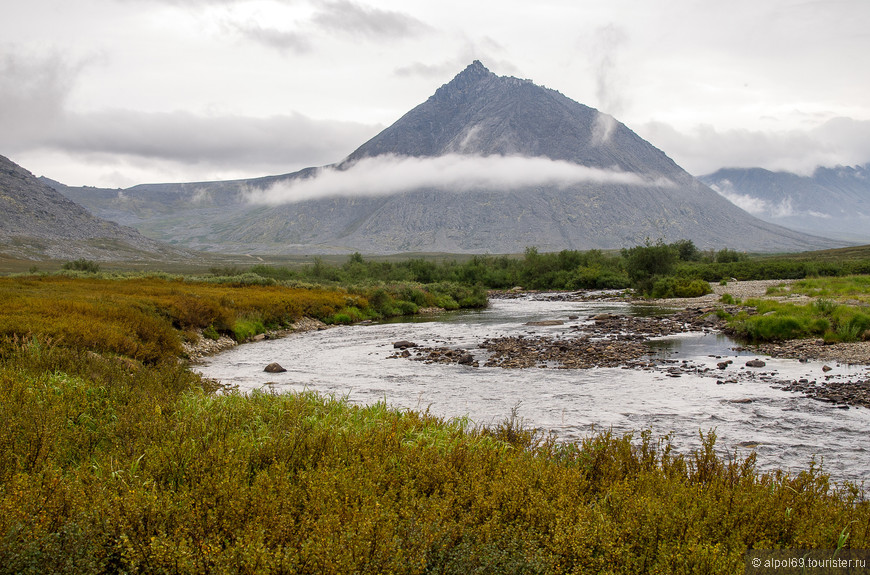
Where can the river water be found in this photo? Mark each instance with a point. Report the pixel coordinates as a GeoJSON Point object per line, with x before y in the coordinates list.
{"type": "Point", "coordinates": [786, 429]}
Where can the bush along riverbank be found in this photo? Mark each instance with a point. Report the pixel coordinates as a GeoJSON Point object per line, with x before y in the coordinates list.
{"type": "Point", "coordinates": [659, 270]}
{"type": "Point", "coordinates": [148, 318]}
{"type": "Point", "coordinates": [108, 468]}
{"type": "Point", "coordinates": [114, 457]}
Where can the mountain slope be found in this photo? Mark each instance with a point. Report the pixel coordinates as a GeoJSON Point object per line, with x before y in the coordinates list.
{"type": "Point", "coordinates": [629, 192]}
{"type": "Point", "coordinates": [37, 221]}
{"type": "Point", "coordinates": [834, 202]}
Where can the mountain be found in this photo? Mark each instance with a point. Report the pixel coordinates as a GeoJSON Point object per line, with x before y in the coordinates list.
{"type": "Point", "coordinates": [486, 164]}
{"type": "Point", "coordinates": [37, 222]}
{"type": "Point", "coordinates": [832, 202]}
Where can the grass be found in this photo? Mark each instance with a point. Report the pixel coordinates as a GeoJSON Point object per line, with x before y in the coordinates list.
{"type": "Point", "coordinates": [855, 288]}
{"type": "Point", "coordinates": [826, 317]}
{"type": "Point", "coordinates": [777, 321]}
{"type": "Point", "coordinates": [146, 318]}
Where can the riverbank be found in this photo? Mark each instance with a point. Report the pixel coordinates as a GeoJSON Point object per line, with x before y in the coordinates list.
{"type": "Point", "coordinates": [196, 351]}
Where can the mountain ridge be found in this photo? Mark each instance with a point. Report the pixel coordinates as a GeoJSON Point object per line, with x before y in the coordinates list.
{"type": "Point", "coordinates": [832, 201]}
{"type": "Point", "coordinates": [475, 115]}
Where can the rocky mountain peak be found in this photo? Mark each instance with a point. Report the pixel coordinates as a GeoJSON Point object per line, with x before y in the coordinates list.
{"type": "Point", "coordinates": [472, 77]}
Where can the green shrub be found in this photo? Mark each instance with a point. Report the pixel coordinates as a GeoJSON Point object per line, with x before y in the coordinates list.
{"type": "Point", "coordinates": [406, 307]}
{"type": "Point", "coordinates": [669, 287]}
{"type": "Point", "coordinates": [446, 302]}
{"type": "Point", "coordinates": [82, 265]}
{"type": "Point", "coordinates": [211, 333]}
{"type": "Point", "coordinates": [246, 328]}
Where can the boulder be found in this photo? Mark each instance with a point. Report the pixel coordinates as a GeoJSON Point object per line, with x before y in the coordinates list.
{"type": "Point", "coordinates": [274, 368]}
{"type": "Point", "coordinates": [404, 344]}
{"type": "Point", "coordinates": [755, 363]}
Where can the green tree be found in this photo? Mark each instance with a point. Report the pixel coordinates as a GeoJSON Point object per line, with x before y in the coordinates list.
{"type": "Point", "coordinates": [647, 262]}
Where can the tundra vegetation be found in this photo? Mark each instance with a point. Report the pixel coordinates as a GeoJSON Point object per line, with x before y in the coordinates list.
{"type": "Point", "coordinates": [115, 457]}
{"type": "Point", "coordinates": [656, 269]}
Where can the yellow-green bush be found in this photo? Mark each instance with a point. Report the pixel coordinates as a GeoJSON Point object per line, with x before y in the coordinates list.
{"type": "Point", "coordinates": [141, 317]}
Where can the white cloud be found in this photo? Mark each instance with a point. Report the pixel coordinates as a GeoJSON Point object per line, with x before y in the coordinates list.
{"type": "Point", "coordinates": [384, 175]}
{"type": "Point", "coordinates": [755, 206]}
{"type": "Point", "coordinates": [703, 150]}
{"type": "Point", "coordinates": [761, 207]}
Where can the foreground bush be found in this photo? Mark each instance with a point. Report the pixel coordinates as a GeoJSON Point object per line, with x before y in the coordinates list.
{"type": "Point", "coordinates": [106, 468]}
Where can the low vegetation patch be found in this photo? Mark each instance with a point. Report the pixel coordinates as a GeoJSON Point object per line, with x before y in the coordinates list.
{"type": "Point", "coordinates": [854, 287]}
{"type": "Point", "coordinates": [777, 321]}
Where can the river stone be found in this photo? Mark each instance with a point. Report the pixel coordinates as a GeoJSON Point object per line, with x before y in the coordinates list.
{"type": "Point", "coordinates": [755, 363]}
{"type": "Point", "coordinates": [546, 322]}
{"type": "Point", "coordinates": [274, 368]}
{"type": "Point", "coordinates": [404, 344]}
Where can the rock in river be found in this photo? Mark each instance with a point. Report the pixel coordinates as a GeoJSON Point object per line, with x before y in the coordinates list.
{"type": "Point", "coordinates": [274, 368]}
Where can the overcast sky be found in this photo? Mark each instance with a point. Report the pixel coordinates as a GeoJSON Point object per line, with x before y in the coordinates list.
{"type": "Point", "coordinates": [119, 92]}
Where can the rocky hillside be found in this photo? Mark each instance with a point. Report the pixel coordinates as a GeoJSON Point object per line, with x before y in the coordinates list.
{"type": "Point", "coordinates": [37, 222]}
{"type": "Point", "coordinates": [594, 184]}
{"type": "Point", "coordinates": [832, 202]}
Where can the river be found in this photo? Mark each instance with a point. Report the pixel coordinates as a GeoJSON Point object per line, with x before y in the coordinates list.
{"type": "Point", "coordinates": [786, 429]}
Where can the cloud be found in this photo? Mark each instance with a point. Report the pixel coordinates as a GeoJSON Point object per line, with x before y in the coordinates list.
{"type": "Point", "coordinates": [358, 20]}
{"type": "Point", "coordinates": [33, 93]}
{"type": "Point", "coordinates": [184, 137]}
{"type": "Point", "coordinates": [703, 150]}
{"type": "Point", "coordinates": [485, 49]}
{"type": "Point", "coordinates": [384, 175]}
{"type": "Point", "coordinates": [604, 56]}
{"type": "Point", "coordinates": [755, 206]}
{"type": "Point", "coordinates": [761, 207]}
{"type": "Point", "coordinates": [38, 124]}
{"type": "Point", "coordinates": [281, 40]}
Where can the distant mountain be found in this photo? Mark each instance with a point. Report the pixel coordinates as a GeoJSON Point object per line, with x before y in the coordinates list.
{"type": "Point", "coordinates": [833, 202]}
{"type": "Point", "coordinates": [37, 222]}
{"type": "Point", "coordinates": [594, 184]}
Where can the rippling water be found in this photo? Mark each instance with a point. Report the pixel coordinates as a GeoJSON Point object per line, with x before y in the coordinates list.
{"type": "Point", "coordinates": [786, 429]}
